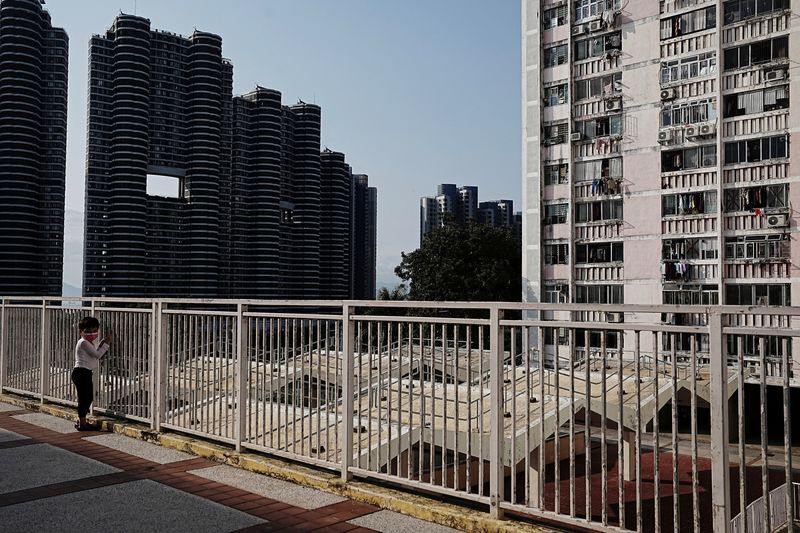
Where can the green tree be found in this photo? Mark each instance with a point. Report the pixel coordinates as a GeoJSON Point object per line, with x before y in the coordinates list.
{"type": "Point", "coordinates": [399, 293]}
{"type": "Point", "coordinates": [472, 262]}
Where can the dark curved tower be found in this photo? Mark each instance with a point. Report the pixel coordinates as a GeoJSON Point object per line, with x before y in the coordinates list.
{"type": "Point", "coordinates": [334, 226]}
{"type": "Point", "coordinates": [33, 130]}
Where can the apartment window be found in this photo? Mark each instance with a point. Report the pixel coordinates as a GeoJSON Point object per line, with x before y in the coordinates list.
{"type": "Point", "coordinates": [599, 294]}
{"type": "Point", "coordinates": [556, 292]}
{"type": "Point", "coordinates": [553, 335]}
{"type": "Point", "coordinates": [598, 211]}
{"type": "Point", "coordinates": [600, 127]}
{"type": "Point", "coordinates": [773, 246]}
{"type": "Point", "coordinates": [556, 174]}
{"type": "Point", "coordinates": [770, 99]}
{"type": "Point", "coordinates": [757, 53]}
{"type": "Point", "coordinates": [598, 46]}
{"type": "Point", "coordinates": [739, 10]}
{"type": "Point", "coordinates": [689, 67]}
{"type": "Point", "coordinates": [555, 95]}
{"type": "Point", "coordinates": [596, 339]}
{"type": "Point", "coordinates": [683, 342]}
{"type": "Point", "coordinates": [556, 254]}
{"type": "Point", "coordinates": [598, 168]}
{"type": "Point", "coordinates": [556, 133]}
{"type": "Point", "coordinates": [602, 252]}
{"type": "Point", "coordinates": [600, 86]}
{"type": "Point", "coordinates": [757, 294]}
{"type": "Point", "coordinates": [751, 345]}
{"type": "Point", "coordinates": [691, 249]}
{"type": "Point", "coordinates": [554, 17]}
{"type": "Point", "coordinates": [689, 158]}
{"type": "Point", "coordinates": [694, 21]}
{"type": "Point", "coordinates": [692, 295]}
{"type": "Point", "coordinates": [689, 113]}
{"type": "Point", "coordinates": [762, 197]}
{"type": "Point", "coordinates": [585, 9]}
{"type": "Point", "coordinates": [754, 150]}
{"type": "Point", "coordinates": [555, 55]}
{"type": "Point", "coordinates": [692, 203]}
{"type": "Point", "coordinates": [556, 213]}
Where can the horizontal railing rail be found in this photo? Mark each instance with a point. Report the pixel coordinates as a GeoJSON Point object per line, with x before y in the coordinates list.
{"type": "Point", "coordinates": [606, 417]}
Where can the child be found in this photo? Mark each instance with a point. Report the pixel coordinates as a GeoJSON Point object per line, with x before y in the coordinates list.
{"type": "Point", "coordinates": [86, 360]}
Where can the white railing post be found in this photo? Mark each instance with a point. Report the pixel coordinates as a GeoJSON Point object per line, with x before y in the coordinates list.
{"type": "Point", "coordinates": [720, 473]}
{"type": "Point", "coordinates": [44, 358]}
{"type": "Point", "coordinates": [348, 338]}
{"type": "Point", "coordinates": [3, 341]}
{"type": "Point", "coordinates": [156, 383]}
{"type": "Point", "coordinates": [496, 425]}
{"type": "Point", "coordinates": [96, 380]}
{"type": "Point", "coordinates": [242, 378]}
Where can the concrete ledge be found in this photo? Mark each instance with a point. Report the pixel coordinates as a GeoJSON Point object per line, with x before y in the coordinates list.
{"type": "Point", "coordinates": [415, 505]}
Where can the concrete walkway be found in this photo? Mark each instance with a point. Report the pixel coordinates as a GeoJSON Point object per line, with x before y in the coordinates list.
{"type": "Point", "coordinates": [54, 478]}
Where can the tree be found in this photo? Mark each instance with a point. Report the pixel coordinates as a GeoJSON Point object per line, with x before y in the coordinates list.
{"type": "Point", "coordinates": [472, 262]}
{"type": "Point", "coordinates": [399, 293]}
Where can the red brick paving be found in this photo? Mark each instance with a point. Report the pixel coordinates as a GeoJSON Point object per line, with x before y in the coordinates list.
{"type": "Point", "coordinates": [280, 516]}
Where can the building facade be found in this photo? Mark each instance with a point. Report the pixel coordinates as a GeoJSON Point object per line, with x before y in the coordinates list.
{"type": "Point", "coordinates": [461, 203]}
{"type": "Point", "coordinates": [33, 138]}
{"type": "Point", "coordinates": [658, 167]}
{"type": "Point", "coordinates": [260, 212]}
{"type": "Point", "coordinates": [365, 237]}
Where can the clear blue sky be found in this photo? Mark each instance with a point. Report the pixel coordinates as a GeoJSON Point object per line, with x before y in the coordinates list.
{"type": "Point", "coordinates": [415, 92]}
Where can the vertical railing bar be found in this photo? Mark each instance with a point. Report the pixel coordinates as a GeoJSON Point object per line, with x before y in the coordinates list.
{"type": "Point", "coordinates": [318, 407]}
{"type": "Point", "coordinates": [379, 394]}
{"type": "Point", "coordinates": [675, 486]}
{"type": "Point", "coordinates": [764, 451]}
{"type": "Point", "coordinates": [274, 350]}
{"type": "Point", "coordinates": [285, 369]}
{"type": "Point", "coordinates": [603, 430]}
{"type": "Point", "coordinates": [787, 436]}
{"type": "Point", "coordinates": [695, 479]}
{"type": "Point", "coordinates": [422, 401]}
{"type": "Point", "coordinates": [303, 418]}
{"type": "Point", "coordinates": [44, 373]}
{"type": "Point", "coordinates": [409, 433]}
{"type": "Point", "coordinates": [347, 385]}
{"type": "Point", "coordinates": [4, 357]}
{"type": "Point", "coordinates": [513, 377]}
{"type": "Point", "coordinates": [432, 430]}
{"type": "Point", "coordinates": [444, 406]}
{"type": "Point", "coordinates": [497, 440]}
{"type": "Point", "coordinates": [620, 432]}
{"type": "Point", "coordinates": [542, 469]}
{"type": "Point", "coordinates": [370, 395]}
{"type": "Point", "coordinates": [656, 440]}
{"type": "Point", "coordinates": [457, 418]}
{"type": "Point", "coordinates": [481, 414]}
{"type": "Point", "coordinates": [528, 407]}
{"type": "Point", "coordinates": [557, 404]}
{"type": "Point", "coordinates": [638, 409]}
{"type": "Point", "coordinates": [293, 388]}
{"type": "Point", "coordinates": [720, 465]}
{"type": "Point", "coordinates": [587, 428]}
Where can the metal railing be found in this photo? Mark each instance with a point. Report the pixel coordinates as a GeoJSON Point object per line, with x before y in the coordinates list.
{"type": "Point", "coordinates": [609, 431]}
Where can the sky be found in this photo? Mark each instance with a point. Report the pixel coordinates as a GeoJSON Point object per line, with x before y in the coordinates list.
{"type": "Point", "coordinates": [414, 92]}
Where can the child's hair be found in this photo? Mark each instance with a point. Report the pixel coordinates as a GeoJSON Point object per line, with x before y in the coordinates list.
{"type": "Point", "coordinates": [88, 322]}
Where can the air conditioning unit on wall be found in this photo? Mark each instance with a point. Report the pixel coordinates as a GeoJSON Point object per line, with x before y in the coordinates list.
{"type": "Point", "coordinates": [613, 104]}
{"type": "Point", "coordinates": [668, 94]}
{"type": "Point", "coordinates": [665, 136]}
{"type": "Point", "coordinates": [706, 130]}
{"type": "Point", "coordinates": [777, 221]}
{"type": "Point", "coordinates": [775, 75]}
{"type": "Point", "coordinates": [596, 25]}
{"type": "Point", "coordinates": [615, 318]}
{"type": "Point", "coordinates": [578, 30]}
{"type": "Point", "coordinates": [575, 136]}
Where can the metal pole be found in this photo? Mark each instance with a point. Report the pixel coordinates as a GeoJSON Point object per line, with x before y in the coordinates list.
{"type": "Point", "coordinates": [3, 340]}
{"type": "Point", "coordinates": [348, 337]}
{"type": "Point", "coordinates": [720, 475]}
{"type": "Point", "coordinates": [497, 439]}
{"type": "Point", "coordinates": [44, 362]}
{"type": "Point", "coordinates": [242, 376]}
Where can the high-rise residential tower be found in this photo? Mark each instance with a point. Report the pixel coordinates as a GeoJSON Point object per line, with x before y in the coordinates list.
{"type": "Point", "coordinates": [659, 133]}
{"type": "Point", "coordinates": [365, 228]}
{"type": "Point", "coordinates": [255, 213]}
{"type": "Point", "coordinates": [33, 133]}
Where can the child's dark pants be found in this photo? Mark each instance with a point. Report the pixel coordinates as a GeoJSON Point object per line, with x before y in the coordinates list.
{"type": "Point", "coordinates": [82, 378]}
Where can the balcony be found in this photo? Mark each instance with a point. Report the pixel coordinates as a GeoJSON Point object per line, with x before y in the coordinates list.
{"type": "Point", "coordinates": [463, 400]}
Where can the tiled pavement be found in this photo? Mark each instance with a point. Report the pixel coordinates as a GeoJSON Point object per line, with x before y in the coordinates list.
{"type": "Point", "coordinates": [53, 479]}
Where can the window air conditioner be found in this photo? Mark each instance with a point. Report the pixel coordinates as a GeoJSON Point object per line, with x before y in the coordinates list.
{"type": "Point", "coordinates": [615, 317]}
{"type": "Point", "coordinates": [774, 75]}
{"type": "Point", "coordinates": [665, 136]}
{"type": "Point", "coordinates": [613, 104]}
{"type": "Point", "coordinates": [777, 221]}
{"type": "Point", "coordinates": [578, 30]}
{"type": "Point", "coordinates": [550, 141]}
{"type": "Point", "coordinates": [575, 136]}
{"type": "Point", "coordinates": [690, 132]}
{"type": "Point", "coordinates": [668, 94]}
{"type": "Point", "coordinates": [707, 129]}
{"type": "Point", "coordinates": [596, 25]}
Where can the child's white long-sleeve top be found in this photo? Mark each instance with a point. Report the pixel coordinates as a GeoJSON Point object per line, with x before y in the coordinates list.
{"type": "Point", "coordinates": [87, 356]}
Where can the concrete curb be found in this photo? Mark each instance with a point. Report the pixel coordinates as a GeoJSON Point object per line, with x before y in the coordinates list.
{"type": "Point", "coordinates": [415, 505]}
